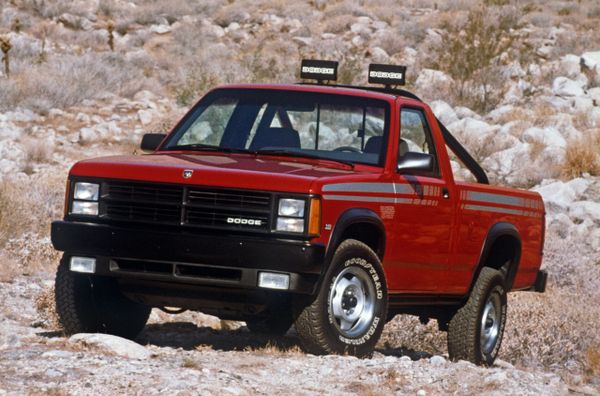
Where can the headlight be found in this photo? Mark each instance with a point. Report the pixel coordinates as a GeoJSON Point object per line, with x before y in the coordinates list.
{"type": "Point", "coordinates": [287, 224]}
{"type": "Point", "coordinates": [291, 207]}
{"type": "Point", "coordinates": [86, 191]}
{"type": "Point", "coordinates": [85, 199]}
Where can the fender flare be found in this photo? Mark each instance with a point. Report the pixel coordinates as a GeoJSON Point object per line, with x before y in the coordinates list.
{"type": "Point", "coordinates": [351, 217]}
{"type": "Point", "coordinates": [347, 219]}
{"type": "Point", "coordinates": [498, 230]}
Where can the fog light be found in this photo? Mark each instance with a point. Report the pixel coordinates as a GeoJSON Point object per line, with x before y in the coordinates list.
{"type": "Point", "coordinates": [270, 280]}
{"type": "Point", "coordinates": [86, 265]}
{"type": "Point", "coordinates": [85, 208]}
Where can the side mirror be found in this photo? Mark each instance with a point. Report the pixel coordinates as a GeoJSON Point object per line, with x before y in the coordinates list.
{"type": "Point", "coordinates": [151, 141]}
{"type": "Point", "coordinates": [415, 162]}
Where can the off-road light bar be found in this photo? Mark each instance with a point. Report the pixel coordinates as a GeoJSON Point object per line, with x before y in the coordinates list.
{"type": "Point", "coordinates": [319, 70]}
{"type": "Point", "coordinates": [387, 74]}
{"type": "Point", "coordinates": [86, 265]}
{"type": "Point", "coordinates": [273, 280]}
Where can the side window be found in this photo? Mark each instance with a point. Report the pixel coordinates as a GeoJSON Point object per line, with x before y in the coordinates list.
{"type": "Point", "coordinates": [415, 136]}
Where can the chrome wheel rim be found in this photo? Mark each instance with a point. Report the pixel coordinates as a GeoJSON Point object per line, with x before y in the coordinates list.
{"type": "Point", "coordinates": [490, 323]}
{"type": "Point", "coordinates": [352, 302]}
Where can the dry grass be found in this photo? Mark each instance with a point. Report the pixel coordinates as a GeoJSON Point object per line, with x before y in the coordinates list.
{"type": "Point", "coordinates": [582, 157]}
{"type": "Point", "coordinates": [46, 308]}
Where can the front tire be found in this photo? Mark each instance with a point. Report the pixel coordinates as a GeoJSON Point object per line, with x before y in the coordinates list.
{"type": "Point", "coordinates": [475, 332]}
{"type": "Point", "coordinates": [93, 304]}
{"type": "Point", "coordinates": [350, 310]}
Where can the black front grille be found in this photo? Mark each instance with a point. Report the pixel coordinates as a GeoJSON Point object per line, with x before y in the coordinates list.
{"type": "Point", "coordinates": [186, 206]}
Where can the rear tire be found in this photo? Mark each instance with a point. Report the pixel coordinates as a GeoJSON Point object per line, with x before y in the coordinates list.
{"type": "Point", "coordinates": [93, 304]}
{"type": "Point", "coordinates": [475, 331]}
{"type": "Point", "coordinates": [350, 310]}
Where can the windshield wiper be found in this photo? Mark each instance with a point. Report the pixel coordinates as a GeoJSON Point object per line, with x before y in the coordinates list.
{"type": "Point", "coordinates": [207, 147]}
{"type": "Point", "coordinates": [293, 153]}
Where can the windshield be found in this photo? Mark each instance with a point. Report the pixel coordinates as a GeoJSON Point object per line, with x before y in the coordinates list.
{"type": "Point", "coordinates": [335, 127]}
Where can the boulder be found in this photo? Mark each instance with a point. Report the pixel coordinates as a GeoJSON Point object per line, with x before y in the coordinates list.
{"type": "Point", "coordinates": [559, 196]}
{"type": "Point", "coordinates": [585, 210]}
{"type": "Point", "coordinates": [429, 77]}
{"type": "Point", "coordinates": [570, 66]}
{"type": "Point", "coordinates": [113, 344]}
{"type": "Point", "coordinates": [88, 135]}
{"type": "Point", "coordinates": [548, 136]}
{"type": "Point", "coordinates": [145, 117]}
{"type": "Point", "coordinates": [563, 86]}
{"type": "Point", "coordinates": [591, 59]}
{"type": "Point", "coordinates": [444, 112]}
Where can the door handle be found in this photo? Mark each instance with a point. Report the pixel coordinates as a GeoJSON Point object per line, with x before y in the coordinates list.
{"type": "Point", "coordinates": [445, 193]}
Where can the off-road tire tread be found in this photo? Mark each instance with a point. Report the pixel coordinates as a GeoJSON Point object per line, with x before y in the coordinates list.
{"type": "Point", "coordinates": [311, 329]}
{"type": "Point", "coordinates": [463, 335]}
{"type": "Point", "coordinates": [78, 312]}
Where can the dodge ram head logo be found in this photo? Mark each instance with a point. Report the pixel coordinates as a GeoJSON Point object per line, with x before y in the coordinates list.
{"type": "Point", "coordinates": [239, 220]}
{"type": "Point", "coordinates": [187, 173]}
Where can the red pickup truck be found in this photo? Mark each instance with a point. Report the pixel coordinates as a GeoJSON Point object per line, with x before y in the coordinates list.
{"type": "Point", "coordinates": [329, 207]}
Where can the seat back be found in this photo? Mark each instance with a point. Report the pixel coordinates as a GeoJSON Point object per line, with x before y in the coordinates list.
{"type": "Point", "coordinates": [373, 145]}
{"type": "Point", "coordinates": [275, 137]}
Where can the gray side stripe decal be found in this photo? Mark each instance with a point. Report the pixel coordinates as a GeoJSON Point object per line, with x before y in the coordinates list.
{"type": "Point", "coordinates": [494, 198]}
{"type": "Point", "coordinates": [392, 188]}
{"type": "Point", "coordinates": [360, 198]}
{"type": "Point", "coordinates": [494, 209]}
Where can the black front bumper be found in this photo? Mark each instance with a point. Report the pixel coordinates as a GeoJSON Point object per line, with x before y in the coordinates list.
{"type": "Point", "coordinates": [171, 257]}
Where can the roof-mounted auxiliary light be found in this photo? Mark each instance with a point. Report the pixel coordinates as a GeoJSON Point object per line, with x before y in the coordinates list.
{"type": "Point", "coordinates": [319, 70]}
{"type": "Point", "coordinates": [388, 75]}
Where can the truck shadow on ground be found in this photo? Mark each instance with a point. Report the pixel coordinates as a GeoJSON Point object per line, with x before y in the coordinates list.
{"type": "Point", "coordinates": [189, 336]}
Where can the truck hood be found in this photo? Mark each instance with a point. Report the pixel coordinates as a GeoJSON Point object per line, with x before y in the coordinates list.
{"type": "Point", "coordinates": [231, 170]}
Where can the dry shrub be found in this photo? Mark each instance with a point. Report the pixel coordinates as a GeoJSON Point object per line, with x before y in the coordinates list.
{"type": "Point", "coordinates": [67, 80]}
{"type": "Point", "coordinates": [46, 308]}
{"type": "Point", "coordinates": [470, 53]}
{"type": "Point", "coordinates": [582, 157]}
{"type": "Point", "coordinates": [593, 361]}
{"type": "Point", "coordinates": [8, 268]}
{"type": "Point", "coordinates": [36, 152]}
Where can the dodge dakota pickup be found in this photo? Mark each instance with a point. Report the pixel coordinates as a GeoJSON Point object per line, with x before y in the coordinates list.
{"type": "Point", "coordinates": [331, 208]}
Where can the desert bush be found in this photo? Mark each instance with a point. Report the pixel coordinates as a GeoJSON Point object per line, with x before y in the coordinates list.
{"type": "Point", "coordinates": [470, 53]}
{"type": "Point", "coordinates": [582, 157]}
{"type": "Point", "coordinates": [28, 206]}
{"type": "Point", "coordinates": [68, 80]}
{"type": "Point", "coordinates": [36, 152]}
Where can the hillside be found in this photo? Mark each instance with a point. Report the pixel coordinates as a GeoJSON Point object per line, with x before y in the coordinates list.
{"type": "Point", "coordinates": [517, 82]}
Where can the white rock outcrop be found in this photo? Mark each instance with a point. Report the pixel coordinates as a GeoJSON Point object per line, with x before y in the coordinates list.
{"type": "Point", "coordinates": [113, 344]}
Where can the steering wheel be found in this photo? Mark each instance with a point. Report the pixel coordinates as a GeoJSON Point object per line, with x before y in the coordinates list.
{"type": "Point", "coordinates": [348, 148]}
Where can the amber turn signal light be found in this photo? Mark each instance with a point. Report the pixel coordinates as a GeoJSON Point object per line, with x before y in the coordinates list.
{"type": "Point", "coordinates": [314, 223]}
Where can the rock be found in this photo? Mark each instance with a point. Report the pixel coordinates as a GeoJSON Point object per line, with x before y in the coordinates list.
{"type": "Point", "coordinates": [160, 29]}
{"type": "Point", "coordinates": [87, 136]}
{"type": "Point", "coordinates": [584, 210]}
{"type": "Point", "coordinates": [110, 343]}
{"type": "Point", "coordinates": [145, 117]}
{"type": "Point", "coordinates": [570, 66]}
{"type": "Point", "coordinates": [82, 117]}
{"type": "Point", "coordinates": [594, 94]}
{"type": "Point", "coordinates": [548, 136]}
{"type": "Point", "coordinates": [437, 361]}
{"type": "Point", "coordinates": [444, 112]}
{"type": "Point", "coordinates": [379, 55]}
{"type": "Point", "coordinates": [563, 86]}
{"type": "Point", "coordinates": [591, 60]}
{"type": "Point", "coordinates": [429, 77]}
{"type": "Point", "coordinates": [558, 196]}
{"type": "Point", "coordinates": [75, 22]}
{"type": "Point", "coordinates": [303, 41]}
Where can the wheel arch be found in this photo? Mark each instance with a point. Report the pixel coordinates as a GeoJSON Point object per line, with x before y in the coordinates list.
{"type": "Point", "coordinates": [361, 224]}
{"type": "Point", "coordinates": [501, 250]}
